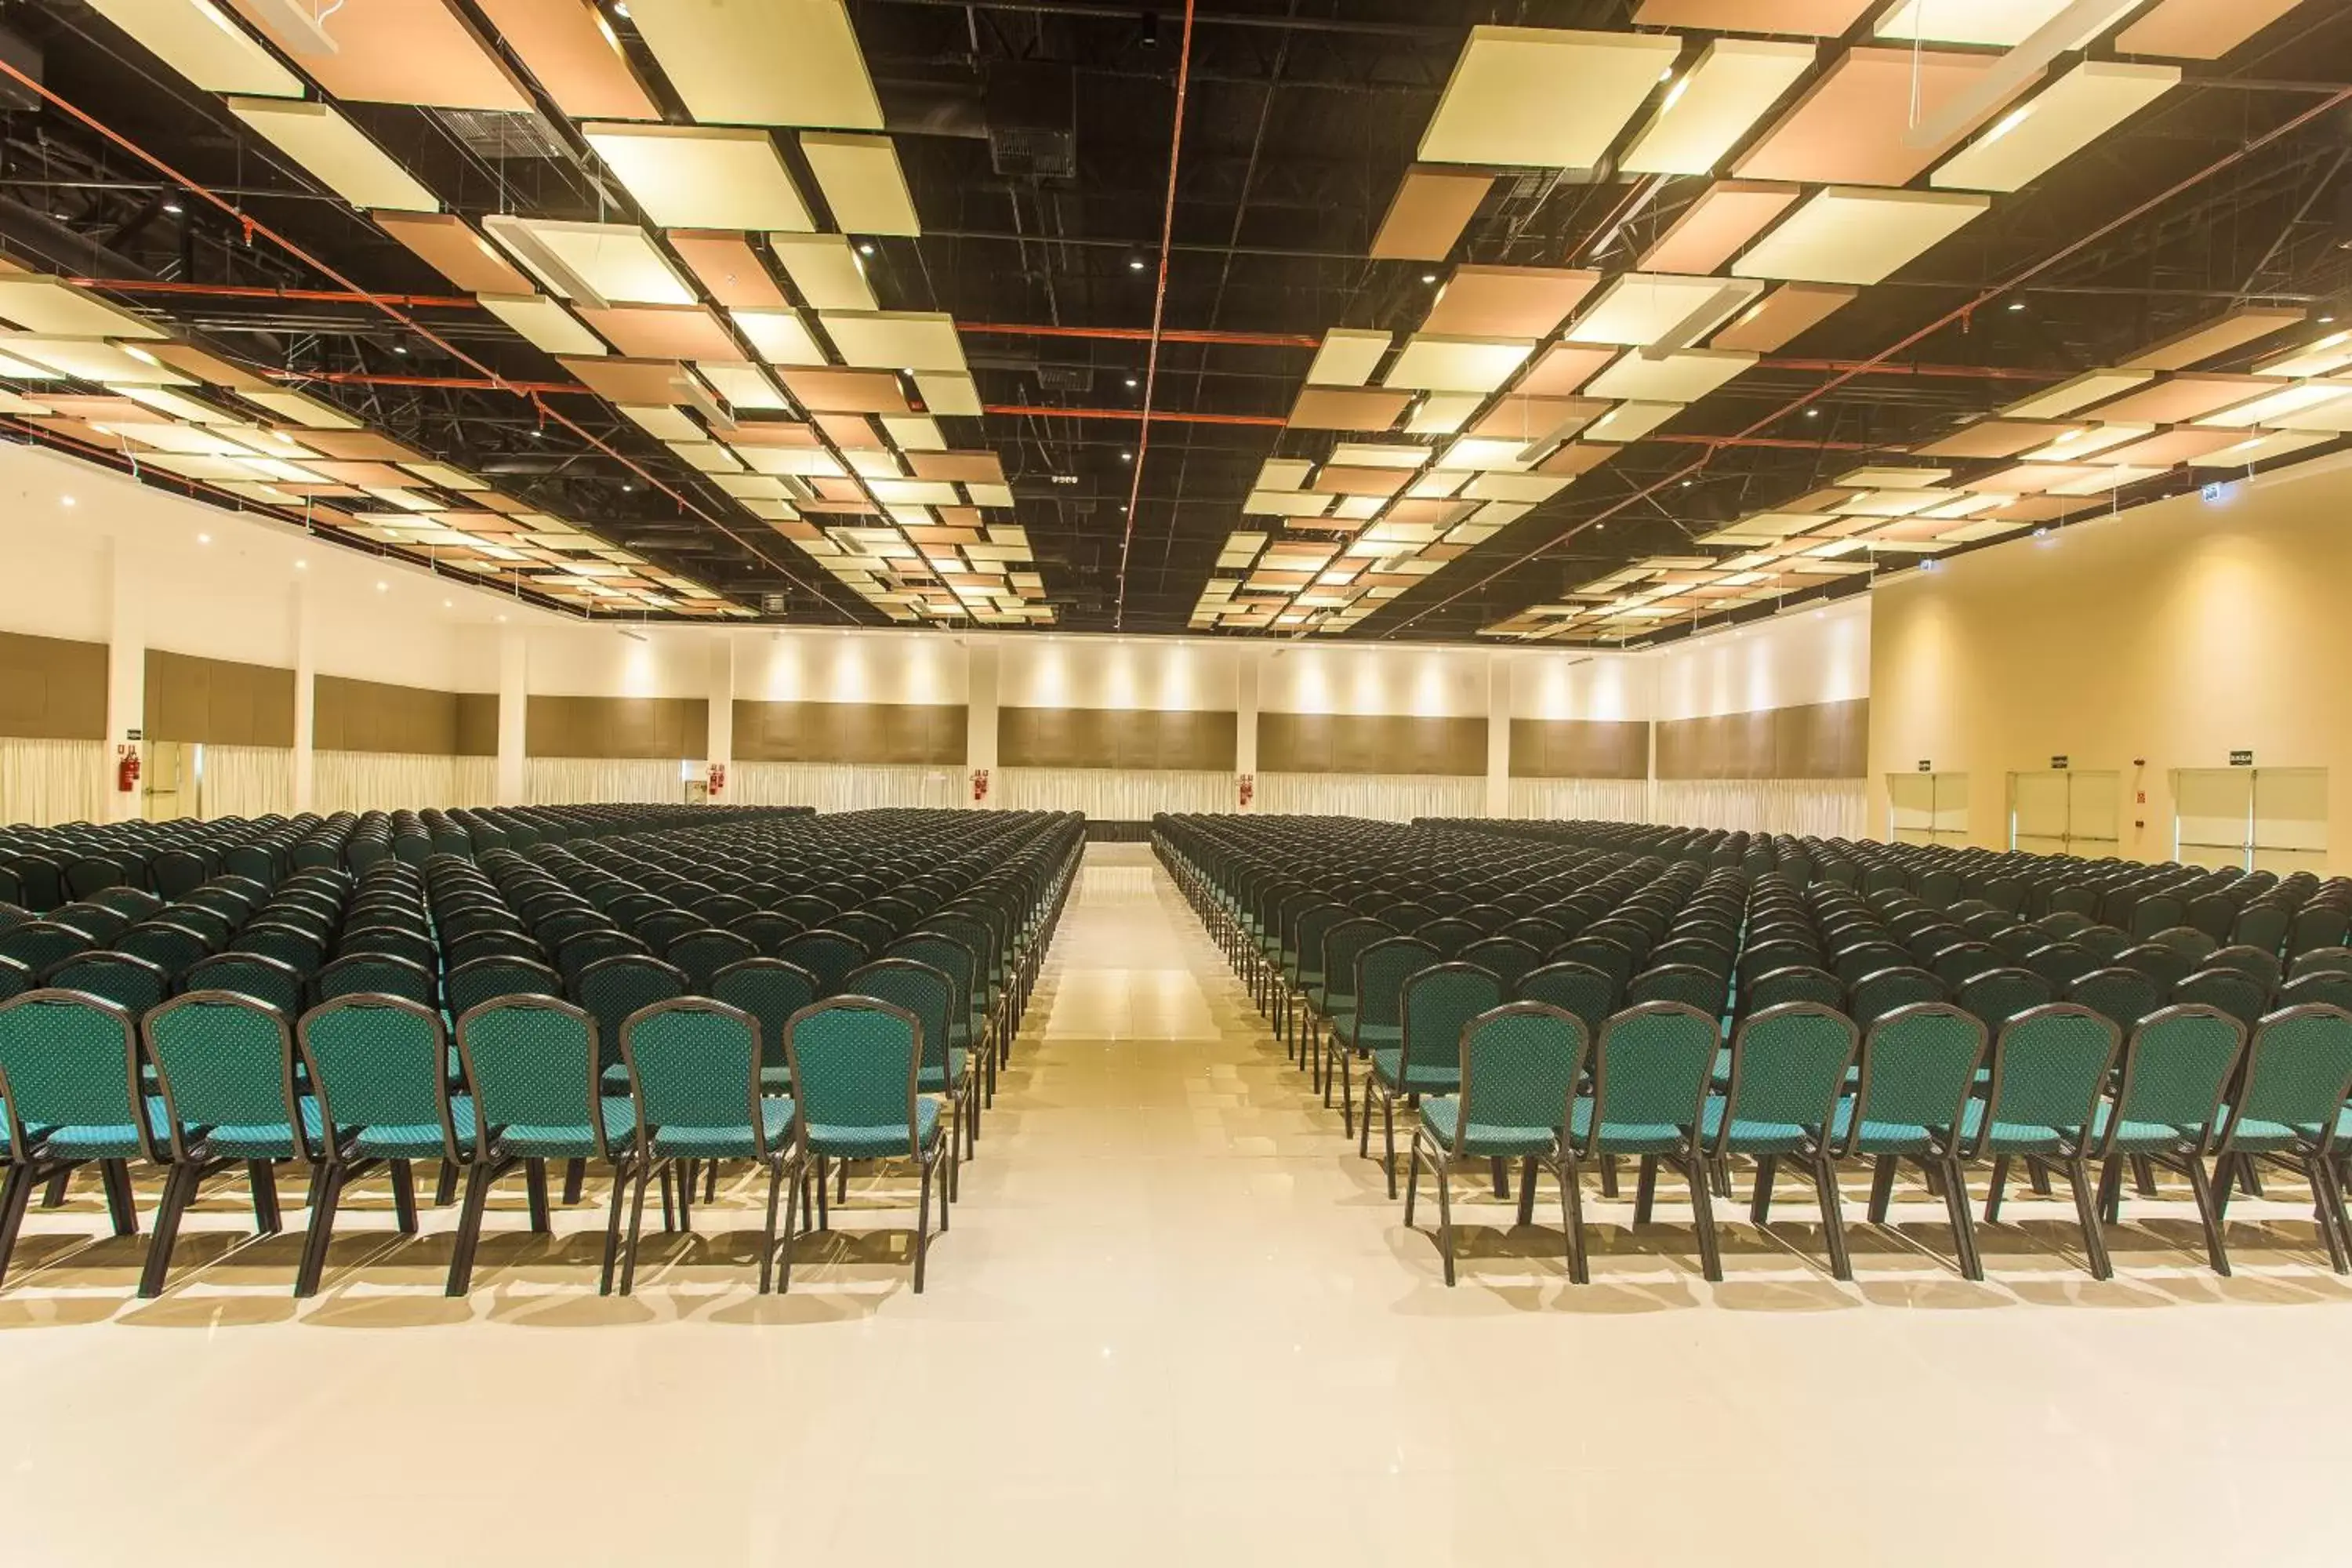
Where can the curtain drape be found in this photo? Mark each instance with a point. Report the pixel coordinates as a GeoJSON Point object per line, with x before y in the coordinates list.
{"type": "Point", "coordinates": [43, 782]}
{"type": "Point", "coordinates": [576, 781]}
{"type": "Point", "coordinates": [1394, 797]}
{"type": "Point", "coordinates": [246, 780]}
{"type": "Point", "coordinates": [1580, 800]}
{"type": "Point", "coordinates": [1113, 794]}
{"type": "Point", "coordinates": [398, 781]}
{"type": "Point", "coordinates": [1824, 808]}
{"type": "Point", "coordinates": [845, 786]}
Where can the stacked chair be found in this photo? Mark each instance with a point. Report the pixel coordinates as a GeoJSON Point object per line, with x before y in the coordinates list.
{"type": "Point", "coordinates": [645, 993]}
{"type": "Point", "coordinates": [1568, 996]}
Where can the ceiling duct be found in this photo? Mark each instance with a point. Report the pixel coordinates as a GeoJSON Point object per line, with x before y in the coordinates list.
{"type": "Point", "coordinates": [1031, 113]}
{"type": "Point", "coordinates": [500, 135]}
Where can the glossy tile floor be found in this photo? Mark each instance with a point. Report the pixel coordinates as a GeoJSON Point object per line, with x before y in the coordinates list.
{"type": "Point", "coordinates": [1177, 1321]}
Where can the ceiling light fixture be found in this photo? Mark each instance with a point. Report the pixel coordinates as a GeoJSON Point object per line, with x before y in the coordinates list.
{"type": "Point", "coordinates": [865, 248]}
{"type": "Point", "coordinates": [301, 566]}
{"type": "Point", "coordinates": [204, 539]}
{"type": "Point", "coordinates": [64, 500]}
{"type": "Point", "coordinates": [2017, 304]}
{"type": "Point", "coordinates": [2012, 72]}
{"type": "Point", "coordinates": [1130, 381]}
{"type": "Point", "coordinates": [384, 587]}
{"type": "Point", "coordinates": [1135, 264]}
{"type": "Point", "coordinates": [174, 208]}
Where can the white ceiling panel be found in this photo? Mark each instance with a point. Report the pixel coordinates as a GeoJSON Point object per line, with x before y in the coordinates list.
{"type": "Point", "coordinates": [318, 137]}
{"type": "Point", "coordinates": [1347, 357]}
{"type": "Point", "coordinates": [825, 270]}
{"type": "Point", "coordinates": [197, 38]}
{"type": "Point", "coordinates": [544, 323]}
{"type": "Point", "coordinates": [1710, 108]}
{"type": "Point", "coordinates": [1684, 377]}
{"type": "Point", "coordinates": [1852, 235]}
{"type": "Point", "coordinates": [896, 340]}
{"type": "Point", "coordinates": [2073, 111]}
{"type": "Point", "coordinates": [593, 263]}
{"type": "Point", "coordinates": [1431, 363]}
{"type": "Point", "coordinates": [862, 183]}
{"type": "Point", "coordinates": [1543, 97]}
{"type": "Point", "coordinates": [761, 62]}
{"type": "Point", "coordinates": [694, 176]}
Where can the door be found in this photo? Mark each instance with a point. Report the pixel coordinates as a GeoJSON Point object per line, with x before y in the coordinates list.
{"type": "Point", "coordinates": [2065, 812]}
{"type": "Point", "coordinates": [2269, 819]}
{"type": "Point", "coordinates": [167, 775]}
{"type": "Point", "coordinates": [2290, 820]}
{"type": "Point", "coordinates": [1927, 808]}
{"type": "Point", "coordinates": [2213, 816]}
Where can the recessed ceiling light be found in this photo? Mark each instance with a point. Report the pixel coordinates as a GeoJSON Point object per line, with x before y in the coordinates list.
{"type": "Point", "coordinates": [204, 539]}
{"type": "Point", "coordinates": [384, 587]}
{"type": "Point", "coordinates": [1130, 381]}
{"type": "Point", "coordinates": [400, 348]}
{"type": "Point", "coordinates": [1127, 457]}
{"type": "Point", "coordinates": [301, 566]}
{"type": "Point", "coordinates": [1812, 414]}
{"type": "Point", "coordinates": [2017, 304]}
{"type": "Point", "coordinates": [1429, 278]}
{"type": "Point", "coordinates": [1135, 264]}
{"type": "Point", "coordinates": [866, 247]}
{"type": "Point", "coordinates": [172, 208]}
{"type": "Point", "coordinates": [64, 500]}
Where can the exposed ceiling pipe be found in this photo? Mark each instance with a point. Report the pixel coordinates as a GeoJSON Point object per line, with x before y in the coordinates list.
{"type": "Point", "coordinates": [1158, 308]}
{"type": "Point", "coordinates": [1145, 335]}
{"type": "Point", "coordinates": [262, 291]}
{"type": "Point", "coordinates": [1136, 415]}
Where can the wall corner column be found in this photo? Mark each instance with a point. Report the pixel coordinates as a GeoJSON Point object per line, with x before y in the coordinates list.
{"type": "Point", "coordinates": [983, 673]}
{"type": "Point", "coordinates": [126, 678]}
{"type": "Point", "coordinates": [1498, 734]}
{"type": "Point", "coordinates": [1245, 697]}
{"type": "Point", "coordinates": [719, 748]}
{"type": "Point", "coordinates": [306, 698]}
{"type": "Point", "coordinates": [514, 709]}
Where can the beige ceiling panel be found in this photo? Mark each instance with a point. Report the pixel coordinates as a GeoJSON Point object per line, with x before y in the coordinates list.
{"type": "Point", "coordinates": [727, 266]}
{"type": "Point", "coordinates": [1845, 235]}
{"type": "Point", "coordinates": [847, 391]}
{"type": "Point", "coordinates": [1631, 421]}
{"type": "Point", "coordinates": [2070, 114]}
{"type": "Point", "coordinates": [854, 432]}
{"type": "Point", "coordinates": [1993, 439]}
{"type": "Point", "coordinates": [571, 49]}
{"type": "Point", "coordinates": [2200, 29]}
{"type": "Point", "coordinates": [662, 421]}
{"type": "Point", "coordinates": [1576, 458]}
{"type": "Point", "coordinates": [781, 336]}
{"type": "Point", "coordinates": [2183, 397]}
{"type": "Point", "coordinates": [2172, 447]}
{"type": "Point", "coordinates": [862, 183]}
{"type": "Point", "coordinates": [761, 62]}
{"type": "Point", "coordinates": [40, 304]}
{"type": "Point", "coordinates": [1782, 315]}
{"type": "Point", "coordinates": [825, 270]}
{"type": "Point", "coordinates": [2260, 448]}
{"type": "Point", "coordinates": [896, 340]}
{"type": "Point", "coordinates": [1993, 24]}
{"type": "Point", "coordinates": [743, 385]}
{"type": "Point", "coordinates": [1347, 357]}
{"type": "Point", "coordinates": [1714, 227]}
{"type": "Point", "coordinates": [799, 462]}
{"type": "Point", "coordinates": [691, 176]}
{"type": "Point", "coordinates": [1431, 362]}
{"type": "Point", "coordinates": [592, 263]}
{"type": "Point", "coordinates": [1683, 377]}
{"type": "Point", "coordinates": [1328, 408]}
{"type": "Point", "coordinates": [1710, 108]}
{"type": "Point", "coordinates": [628, 380]}
{"type": "Point", "coordinates": [1543, 96]}
{"type": "Point", "coordinates": [448, 244]}
{"type": "Point", "coordinates": [663, 331]}
{"type": "Point", "coordinates": [1431, 208]}
{"type": "Point", "coordinates": [1810, 18]}
{"type": "Point", "coordinates": [1286, 503]}
{"type": "Point", "coordinates": [1851, 127]}
{"type": "Point", "coordinates": [195, 38]}
{"type": "Point", "coordinates": [331, 149]}
{"type": "Point", "coordinates": [963, 467]}
{"type": "Point", "coordinates": [91, 358]}
{"type": "Point", "coordinates": [2246, 324]}
{"type": "Point", "coordinates": [399, 51]}
{"type": "Point", "coordinates": [1507, 301]}
{"type": "Point", "coordinates": [542, 323]}
{"type": "Point", "coordinates": [1527, 421]}
{"type": "Point", "coordinates": [1442, 413]}
{"type": "Point", "coordinates": [2077, 391]}
{"type": "Point", "coordinates": [1639, 309]}
{"type": "Point", "coordinates": [946, 394]}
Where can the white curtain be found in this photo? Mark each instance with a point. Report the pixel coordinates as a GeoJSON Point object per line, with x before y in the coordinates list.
{"type": "Point", "coordinates": [43, 782]}
{"type": "Point", "coordinates": [1824, 808]}
{"type": "Point", "coordinates": [395, 781]}
{"type": "Point", "coordinates": [576, 781]}
{"type": "Point", "coordinates": [1114, 795]}
{"type": "Point", "coordinates": [246, 780]}
{"type": "Point", "coordinates": [845, 787]}
{"type": "Point", "coordinates": [1394, 797]}
{"type": "Point", "coordinates": [1581, 800]}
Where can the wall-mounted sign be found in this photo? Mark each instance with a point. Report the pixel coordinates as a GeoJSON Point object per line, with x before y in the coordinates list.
{"type": "Point", "coordinates": [131, 734]}
{"type": "Point", "coordinates": [2058, 764]}
{"type": "Point", "coordinates": [2241, 759]}
{"type": "Point", "coordinates": [1926, 766]}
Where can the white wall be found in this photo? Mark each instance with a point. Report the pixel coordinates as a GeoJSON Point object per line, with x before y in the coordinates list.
{"type": "Point", "coordinates": [1171, 674]}
{"type": "Point", "coordinates": [1805, 656]}
{"type": "Point", "coordinates": [1395, 679]}
{"type": "Point", "coordinates": [925, 667]}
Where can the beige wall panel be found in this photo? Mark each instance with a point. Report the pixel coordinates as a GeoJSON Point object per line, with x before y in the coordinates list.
{"type": "Point", "coordinates": [639, 727]}
{"type": "Point", "coordinates": [214, 701]}
{"type": "Point", "coordinates": [1579, 749]}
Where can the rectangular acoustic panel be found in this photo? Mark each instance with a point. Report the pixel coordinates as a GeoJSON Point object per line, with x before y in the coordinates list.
{"type": "Point", "coordinates": [869, 732]}
{"type": "Point", "coordinates": [669, 727]}
{"type": "Point", "coordinates": [862, 183]}
{"type": "Point", "coordinates": [727, 268]}
{"type": "Point", "coordinates": [1548, 97]}
{"type": "Point", "coordinates": [1431, 208]}
{"type": "Point", "coordinates": [1507, 301]}
{"type": "Point", "coordinates": [448, 244]}
{"type": "Point", "coordinates": [1708, 110]}
{"type": "Point", "coordinates": [2070, 114]}
{"type": "Point", "coordinates": [595, 263]}
{"type": "Point", "coordinates": [2209, 339]}
{"type": "Point", "coordinates": [1717, 224]}
{"type": "Point", "coordinates": [373, 716]}
{"type": "Point", "coordinates": [824, 269]}
{"type": "Point", "coordinates": [1811, 19]}
{"type": "Point", "coordinates": [217, 702]}
{"type": "Point", "coordinates": [1579, 749]}
{"type": "Point", "coordinates": [693, 176]}
{"type": "Point", "coordinates": [1782, 315]}
{"type": "Point", "coordinates": [1123, 737]}
{"type": "Point", "coordinates": [1378, 744]}
{"type": "Point", "coordinates": [335, 153]}
{"type": "Point", "coordinates": [1845, 235]}
{"type": "Point", "coordinates": [2200, 29]}
{"type": "Point", "coordinates": [52, 689]}
{"type": "Point", "coordinates": [1852, 126]}
{"type": "Point", "coordinates": [1815, 740]}
{"type": "Point", "coordinates": [398, 51]}
{"type": "Point", "coordinates": [571, 49]}
{"type": "Point", "coordinates": [197, 40]}
{"type": "Point", "coordinates": [761, 62]}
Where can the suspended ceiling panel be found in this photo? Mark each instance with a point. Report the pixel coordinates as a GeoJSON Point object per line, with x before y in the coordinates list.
{"type": "Point", "coordinates": [1997, 23]}
{"type": "Point", "coordinates": [825, 270]}
{"type": "Point", "coordinates": [1852, 126]}
{"type": "Point", "coordinates": [761, 62]}
{"type": "Point", "coordinates": [613, 262]}
{"type": "Point", "coordinates": [781, 336]}
{"type": "Point", "coordinates": [40, 304]}
{"type": "Point", "coordinates": [334, 152]}
{"type": "Point", "coordinates": [2183, 397]}
{"type": "Point", "coordinates": [1857, 237]}
{"type": "Point", "coordinates": [2077, 391]}
{"type": "Point", "coordinates": [1507, 301]}
{"type": "Point", "coordinates": [1782, 315]}
{"type": "Point", "coordinates": [862, 183]}
{"type": "Point", "coordinates": [847, 391]}
{"type": "Point", "coordinates": [1347, 357]}
{"type": "Point", "coordinates": [1707, 110]}
{"type": "Point", "coordinates": [1431, 208]}
{"type": "Point", "coordinates": [571, 48]}
{"type": "Point", "coordinates": [2201, 29]}
{"type": "Point", "coordinates": [1815, 19]}
{"type": "Point", "coordinates": [663, 331]}
{"type": "Point", "coordinates": [542, 323]}
{"type": "Point", "coordinates": [2070, 114]}
{"type": "Point", "coordinates": [1431, 362]}
{"type": "Point", "coordinates": [197, 40]}
{"type": "Point", "coordinates": [1684, 377]}
{"type": "Point", "coordinates": [91, 358]}
{"type": "Point", "coordinates": [901, 339]}
{"type": "Point", "coordinates": [448, 244]}
{"type": "Point", "coordinates": [1639, 309]}
{"type": "Point", "coordinates": [1327, 409]}
{"type": "Point", "coordinates": [726, 267]}
{"type": "Point", "coordinates": [1713, 229]}
{"type": "Point", "coordinates": [689, 177]}
{"type": "Point", "coordinates": [398, 51]}
{"type": "Point", "coordinates": [1543, 96]}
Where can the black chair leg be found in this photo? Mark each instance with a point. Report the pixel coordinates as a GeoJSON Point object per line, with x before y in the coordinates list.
{"type": "Point", "coordinates": [444, 1184]}
{"type": "Point", "coordinates": [1832, 1218]}
{"type": "Point", "coordinates": [621, 1186]}
{"type": "Point", "coordinates": [2210, 1215]}
{"type": "Point", "coordinates": [534, 1176]}
{"type": "Point", "coordinates": [1445, 1219]}
{"type": "Point", "coordinates": [15, 1197]}
{"type": "Point", "coordinates": [637, 1227]}
{"type": "Point", "coordinates": [1964, 1235]}
{"type": "Point", "coordinates": [179, 1188]}
{"type": "Point", "coordinates": [403, 1195]}
{"type": "Point", "coordinates": [2086, 1211]}
{"type": "Point", "coordinates": [322, 1230]}
{"type": "Point", "coordinates": [1881, 1188]}
{"type": "Point", "coordinates": [1500, 1170]}
{"type": "Point", "coordinates": [1710, 1252]}
{"type": "Point", "coordinates": [922, 1224]}
{"type": "Point", "coordinates": [1572, 1205]}
{"type": "Point", "coordinates": [263, 1177]}
{"type": "Point", "coordinates": [575, 1180]}
{"type": "Point", "coordinates": [60, 1183]}
{"type": "Point", "coordinates": [2111, 1187]}
{"type": "Point", "coordinates": [122, 1209]}
{"type": "Point", "coordinates": [1759, 1210]}
{"type": "Point", "coordinates": [478, 1177]}
{"type": "Point", "coordinates": [1645, 1189]}
{"type": "Point", "coordinates": [1528, 1168]}
{"type": "Point", "coordinates": [768, 1234]}
{"type": "Point", "coordinates": [1999, 1187]}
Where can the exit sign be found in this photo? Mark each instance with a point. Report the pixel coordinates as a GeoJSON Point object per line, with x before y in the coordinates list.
{"type": "Point", "coordinates": [2241, 759]}
{"type": "Point", "coordinates": [1926, 766]}
{"type": "Point", "coordinates": [2058, 764]}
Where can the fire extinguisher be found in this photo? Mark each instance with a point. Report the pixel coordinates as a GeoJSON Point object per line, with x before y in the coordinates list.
{"type": "Point", "coordinates": [126, 769]}
{"type": "Point", "coordinates": [979, 785]}
{"type": "Point", "coordinates": [1248, 789]}
{"type": "Point", "coordinates": [718, 784]}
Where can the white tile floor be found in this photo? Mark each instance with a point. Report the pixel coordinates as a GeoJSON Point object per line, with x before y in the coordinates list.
{"type": "Point", "coordinates": [1177, 1322]}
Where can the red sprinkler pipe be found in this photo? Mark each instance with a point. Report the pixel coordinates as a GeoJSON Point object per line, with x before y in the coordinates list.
{"type": "Point", "coordinates": [1158, 308]}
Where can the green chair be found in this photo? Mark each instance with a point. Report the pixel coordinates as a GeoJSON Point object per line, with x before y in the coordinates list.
{"type": "Point", "coordinates": [532, 1064]}
{"type": "Point", "coordinates": [1518, 1066]}
{"type": "Point", "coordinates": [1576, 988]}
{"type": "Point", "coordinates": [1789, 1065]}
{"type": "Point", "coordinates": [856, 1064]}
{"type": "Point", "coordinates": [1334, 996]}
{"type": "Point", "coordinates": [2289, 1109]}
{"type": "Point", "coordinates": [1377, 1020]}
{"type": "Point", "coordinates": [771, 991]}
{"type": "Point", "coordinates": [1918, 1071]}
{"type": "Point", "coordinates": [69, 1085]}
{"type": "Point", "coordinates": [131, 983]}
{"type": "Point", "coordinates": [1651, 1070]}
{"type": "Point", "coordinates": [379, 1068]}
{"type": "Point", "coordinates": [268, 981]}
{"type": "Point", "coordinates": [929, 995]}
{"type": "Point", "coordinates": [1439, 1004]}
{"type": "Point", "coordinates": [694, 1074]}
{"type": "Point", "coordinates": [2049, 1066]}
{"type": "Point", "coordinates": [224, 1070]}
{"type": "Point", "coordinates": [2122, 996]}
{"type": "Point", "coordinates": [2177, 1066]}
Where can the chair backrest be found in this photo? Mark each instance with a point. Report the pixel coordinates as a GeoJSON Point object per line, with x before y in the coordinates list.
{"type": "Point", "coordinates": [613, 988]}
{"type": "Point", "coordinates": [268, 981]}
{"type": "Point", "coordinates": [129, 982]}
{"type": "Point", "coordinates": [223, 1059]}
{"type": "Point", "coordinates": [1381, 970]}
{"type": "Point", "coordinates": [2123, 996]}
{"type": "Point", "coordinates": [1876, 996]}
{"type": "Point", "coordinates": [1918, 1067]}
{"type": "Point", "coordinates": [1787, 1067]}
{"type": "Point", "coordinates": [481, 980]}
{"type": "Point", "coordinates": [2177, 1066]}
{"type": "Point", "coordinates": [2253, 962]}
{"type": "Point", "coordinates": [914, 987]}
{"type": "Point", "coordinates": [1795, 982]}
{"type": "Point", "coordinates": [373, 974]}
{"type": "Point", "coordinates": [2060, 962]}
{"type": "Point", "coordinates": [166, 943]}
{"type": "Point", "coordinates": [2050, 1065]}
{"type": "Point", "coordinates": [2298, 1070]}
{"type": "Point", "coordinates": [1507, 960]}
{"type": "Point", "coordinates": [829, 955]}
{"type": "Point", "coordinates": [2161, 964]}
{"type": "Point", "coordinates": [854, 1063]}
{"type": "Point", "coordinates": [1580, 990]}
{"type": "Point", "coordinates": [1686, 983]}
{"type": "Point", "coordinates": [2332, 987]}
{"type": "Point", "coordinates": [68, 1060]}
{"type": "Point", "coordinates": [39, 943]}
{"type": "Point", "coordinates": [771, 991]}
{"type": "Point", "coordinates": [378, 1061]}
{"type": "Point", "coordinates": [695, 1062]}
{"type": "Point", "coordinates": [2239, 994]}
{"type": "Point", "coordinates": [1520, 1064]}
{"type": "Point", "coordinates": [532, 1061]}
{"type": "Point", "coordinates": [1438, 1003]}
{"type": "Point", "coordinates": [703, 954]}
{"type": "Point", "coordinates": [1651, 1067]}
{"type": "Point", "coordinates": [1999, 994]}
{"type": "Point", "coordinates": [1342, 944]}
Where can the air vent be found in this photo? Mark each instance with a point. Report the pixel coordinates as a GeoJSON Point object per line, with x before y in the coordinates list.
{"type": "Point", "coordinates": [772, 603]}
{"type": "Point", "coordinates": [1065, 378]}
{"type": "Point", "coordinates": [497, 135]}
{"type": "Point", "coordinates": [1031, 110]}
{"type": "Point", "coordinates": [1033, 153]}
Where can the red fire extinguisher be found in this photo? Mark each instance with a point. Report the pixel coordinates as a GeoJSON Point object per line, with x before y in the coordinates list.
{"type": "Point", "coordinates": [718, 781]}
{"type": "Point", "coordinates": [126, 769]}
{"type": "Point", "coordinates": [1248, 789]}
{"type": "Point", "coordinates": [979, 785]}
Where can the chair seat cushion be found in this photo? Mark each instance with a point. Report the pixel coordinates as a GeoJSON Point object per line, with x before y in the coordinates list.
{"type": "Point", "coordinates": [938, 1081]}
{"type": "Point", "coordinates": [726, 1143]}
{"type": "Point", "coordinates": [266, 1140]}
{"type": "Point", "coordinates": [881, 1140]}
{"type": "Point", "coordinates": [105, 1140]}
{"type": "Point", "coordinates": [2012, 1137]}
{"type": "Point", "coordinates": [1625, 1137]}
{"type": "Point", "coordinates": [2138, 1137]}
{"type": "Point", "coordinates": [2254, 1136]}
{"type": "Point", "coordinates": [1440, 1117]}
{"type": "Point", "coordinates": [416, 1141]}
{"type": "Point", "coordinates": [577, 1141]}
{"type": "Point", "coordinates": [1359, 1037]}
{"type": "Point", "coordinates": [1749, 1137]}
{"type": "Point", "coordinates": [1426, 1078]}
{"type": "Point", "coordinates": [1878, 1137]}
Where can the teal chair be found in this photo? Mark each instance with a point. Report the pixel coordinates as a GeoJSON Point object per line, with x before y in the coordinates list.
{"type": "Point", "coordinates": [1920, 1068]}
{"type": "Point", "coordinates": [69, 1085]}
{"type": "Point", "coordinates": [225, 1069]}
{"type": "Point", "coordinates": [2289, 1110]}
{"type": "Point", "coordinates": [771, 991]}
{"type": "Point", "coordinates": [694, 1075]}
{"type": "Point", "coordinates": [1333, 998]}
{"type": "Point", "coordinates": [856, 1066]}
{"type": "Point", "coordinates": [379, 1068]}
{"type": "Point", "coordinates": [531, 1062]}
{"type": "Point", "coordinates": [930, 996]}
{"type": "Point", "coordinates": [1788, 1071]}
{"type": "Point", "coordinates": [2167, 1109]}
{"type": "Point", "coordinates": [1377, 1020]}
{"type": "Point", "coordinates": [1439, 1004]}
{"type": "Point", "coordinates": [1518, 1070]}
{"type": "Point", "coordinates": [1651, 1070]}
{"type": "Point", "coordinates": [2050, 1068]}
